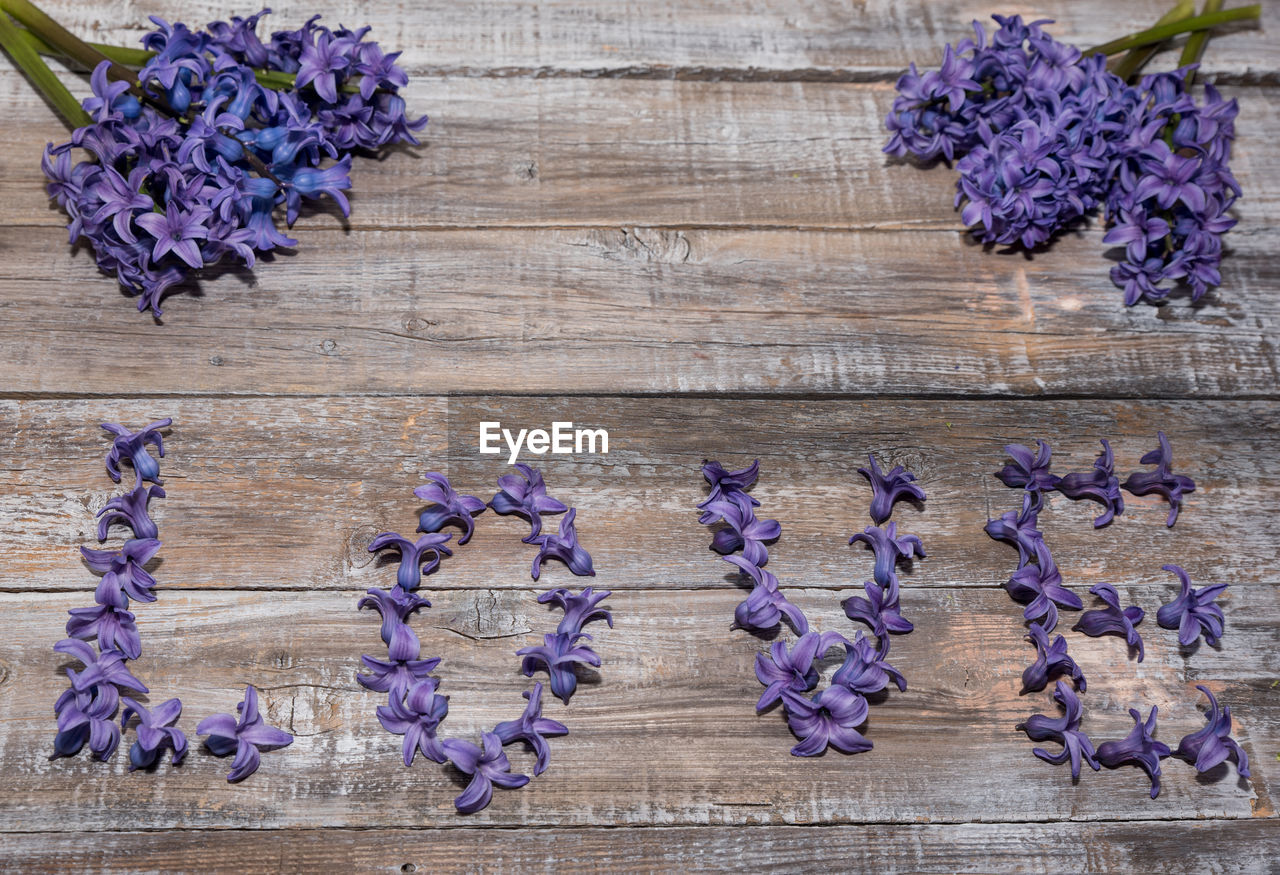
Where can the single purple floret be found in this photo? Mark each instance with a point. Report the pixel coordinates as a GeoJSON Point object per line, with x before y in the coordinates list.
{"type": "Point", "coordinates": [1113, 619]}
{"type": "Point", "coordinates": [177, 230]}
{"type": "Point", "coordinates": [1099, 484]}
{"type": "Point", "coordinates": [725, 483]}
{"type": "Point", "coordinates": [115, 628]}
{"type": "Point", "coordinates": [244, 737]}
{"type": "Point", "coordinates": [1052, 660]}
{"type": "Point", "coordinates": [1018, 528]}
{"type": "Point", "coordinates": [415, 715]}
{"type": "Point", "coordinates": [394, 605]}
{"type": "Point", "coordinates": [533, 729]}
{"type": "Point", "coordinates": [829, 718]}
{"type": "Point", "coordinates": [579, 608]}
{"type": "Point", "coordinates": [125, 567]}
{"type": "Point", "coordinates": [865, 671]}
{"type": "Point", "coordinates": [1162, 480]}
{"type": "Point", "coordinates": [558, 654]}
{"type": "Point", "coordinates": [765, 606]}
{"type": "Point", "coordinates": [889, 549]}
{"type": "Point", "coordinates": [416, 557]}
{"type": "Point", "coordinates": [786, 675]}
{"type": "Point", "coordinates": [879, 610]}
{"type": "Point", "coordinates": [525, 496]}
{"type": "Point", "coordinates": [155, 731]}
{"type": "Point", "coordinates": [486, 766]}
{"type": "Point", "coordinates": [1040, 588]}
{"type": "Point", "coordinates": [743, 531]}
{"type": "Point", "coordinates": [1065, 730]}
{"type": "Point", "coordinates": [105, 668]}
{"type": "Point", "coordinates": [1193, 611]}
{"type": "Point", "coordinates": [886, 489]}
{"type": "Point", "coordinates": [88, 717]}
{"type": "Point", "coordinates": [448, 507]}
{"type": "Point", "coordinates": [1027, 471]}
{"type": "Point", "coordinates": [130, 510]}
{"type": "Point", "coordinates": [402, 668]}
{"type": "Point", "coordinates": [1207, 747]}
{"type": "Point", "coordinates": [563, 546]}
{"type": "Point", "coordinates": [1139, 748]}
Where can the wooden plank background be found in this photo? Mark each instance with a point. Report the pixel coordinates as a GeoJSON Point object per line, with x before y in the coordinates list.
{"type": "Point", "coordinates": [673, 221]}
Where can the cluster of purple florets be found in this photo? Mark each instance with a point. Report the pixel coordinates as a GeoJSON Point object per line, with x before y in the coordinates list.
{"type": "Point", "coordinates": [1044, 135]}
{"type": "Point", "coordinates": [831, 717]}
{"type": "Point", "coordinates": [1038, 584]}
{"type": "Point", "coordinates": [415, 709]}
{"type": "Point", "coordinates": [195, 172]}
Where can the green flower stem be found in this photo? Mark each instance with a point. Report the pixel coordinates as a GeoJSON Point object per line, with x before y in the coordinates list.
{"type": "Point", "coordinates": [1157, 35]}
{"type": "Point", "coordinates": [1194, 48]}
{"type": "Point", "coordinates": [65, 43]}
{"type": "Point", "coordinates": [1135, 59]}
{"type": "Point", "coordinates": [40, 75]}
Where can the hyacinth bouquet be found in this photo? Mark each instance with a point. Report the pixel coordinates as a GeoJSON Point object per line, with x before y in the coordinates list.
{"type": "Point", "coordinates": [1043, 134]}
{"type": "Point", "coordinates": [191, 147]}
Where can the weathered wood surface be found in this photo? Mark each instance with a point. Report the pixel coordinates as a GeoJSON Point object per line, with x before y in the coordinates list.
{"type": "Point", "coordinates": [666, 734]}
{"type": "Point", "coordinates": [332, 473]}
{"type": "Point", "coordinates": [660, 200]}
{"type": "Point", "coordinates": [725, 39]}
{"type": "Point", "coordinates": [976, 847]}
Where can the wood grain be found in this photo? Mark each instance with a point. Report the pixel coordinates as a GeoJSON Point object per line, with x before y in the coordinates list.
{"type": "Point", "coordinates": [331, 473]}
{"type": "Point", "coordinates": [1233, 846]}
{"type": "Point", "coordinates": [673, 154]}
{"type": "Point", "coordinates": [643, 310]}
{"type": "Point", "coordinates": [664, 733]}
{"type": "Point", "coordinates": [764, 39]}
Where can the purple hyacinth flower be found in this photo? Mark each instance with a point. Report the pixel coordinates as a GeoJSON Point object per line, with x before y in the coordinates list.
{"type": "Point", "coordinates": [1207, 747]}
{"type": "Point", "coordinates": [416, 557]}
{"type": "Point", "coordinates": [1099, 484]}
{"type": "Point", "coordinates": [415, 715]}
{"type": "Point", "coordinates": [558, 654]}
{"type": "Point", "coordinates": [114, 627]}
{"type": "Point", "coordinates": [448, 507]}
{"type": "Point", "coordinates": [533, 729]}
{"type": "Point", "coordinates": [177, 230]}
{"type": "Point", "coordinates": [394, 605]}
{"type": "Point", "coordinates": [1139, 748]}
{"type": "Point", "coordinates": [321, 58]}
{"type": "Point", "coordinates": [131, 510]}
{"type": "Point", "coordinates": [865, 671]}
{"type": "Point", "coordinates": [155, 731]}
{"type": "Point", "coordinates": [1162, 480]}
{"type": "Point", "coordinates": [1052, 660]}
{"type": "Point", "coordinates": [765, 606]}
{"type": "Point", "coordinates": [1113, 619]}
{"type": "Point", "coordinates": [724, 483]}
{"type": "Point", "coordinates": [486, 766]}
{"type": "Point", "coordinates": [1018, 528]}
{"type": "Point", "coordinates": [579, 608]}
{"type": "Point", "coordinates": [879, 612]}
{"type": "Point", "coordinates": [743, 531]}
{"type": "Point", "coordinates": [1028, 471]}
{"type": "Point", "coordinates": [829, 718]}
{"type": "Point", "coordinates": [564, 547]}
{"type": "Point", "coordinates": [787, 674]}
{"type": "Point", "coordinates": [889, 549]}
{"type": "Point", "coordinates": [525, 496]}
{"type": "Point", "coordinates": [402, 668]}
{"type": "Point", "coordinates": [1040, 588]}
{"type": "Point", "coordinates": [132, 445]}
{"type": "Point", "coordinates": [107, 667]}
{"type": "Point", "coordinates": [88, 717]}
{"type": "Point", "coordinates": [244, 736]}
{"type": "Point", "coordinates": [1065, 730]}
{"type": "Point", "coordinates": [886, 489]}
{"type": "Point", "coordinates": [1193, 611]}
{"type": "Point", "coordinates": [126, 567]}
